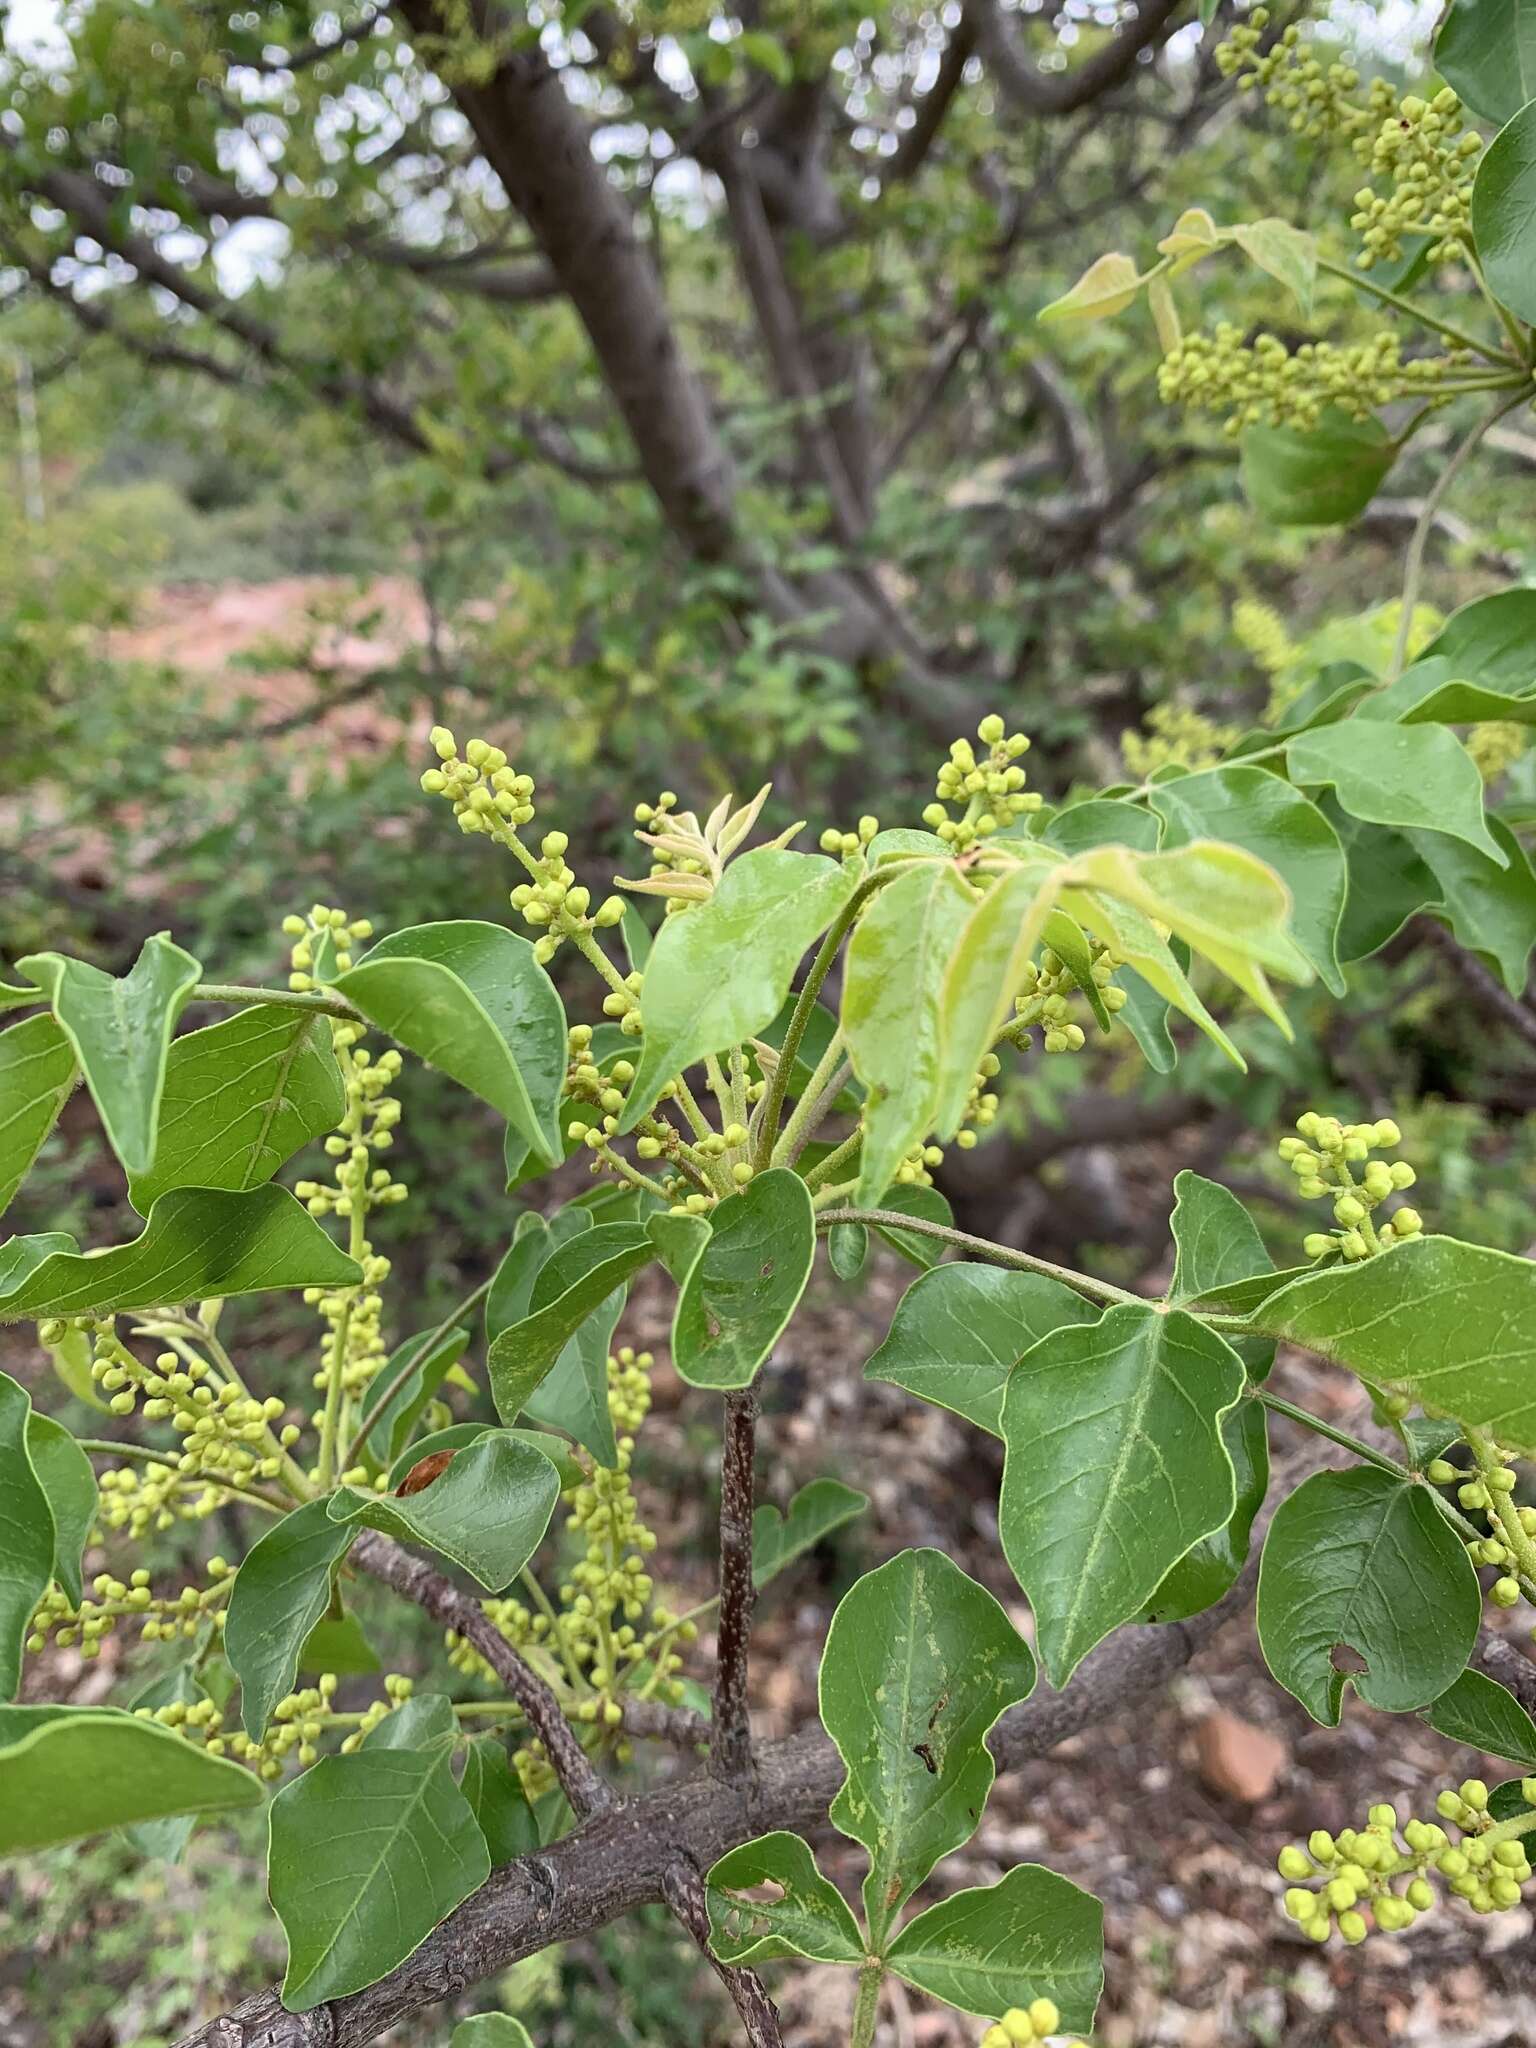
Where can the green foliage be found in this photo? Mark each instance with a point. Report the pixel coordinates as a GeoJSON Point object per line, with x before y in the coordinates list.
{"type": "Point", "coordinates": [71, 1771]}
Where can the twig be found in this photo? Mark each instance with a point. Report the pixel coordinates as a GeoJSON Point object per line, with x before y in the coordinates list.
{"type": "Point", "coordinates": [731, 1751]}
{"type": "Point", "coordinates": [397, 1380]}
{"type": "Point", "coordinates": [1488, 989]}
{"type": "Point", "coordinates": [385, 1559]}
{"type": "Point", "coordinates": [980, 1248]}
{"type": "Point", "coordinates": [683, 1890]}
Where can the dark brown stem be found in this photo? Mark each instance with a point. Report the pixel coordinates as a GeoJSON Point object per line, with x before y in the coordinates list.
{"type": "Point", "coordinates": [384, 1559]}
{"type": "Point", "coordinates": [683, 1890]}
{"type": "Point", "coordinates": [731, 1750]}
{"type": "Point", "coordinates": [1488, 989]}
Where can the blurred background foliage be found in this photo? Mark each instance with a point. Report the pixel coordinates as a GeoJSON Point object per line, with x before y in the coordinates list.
{"type": "Point", "coordinates": [307, 444]}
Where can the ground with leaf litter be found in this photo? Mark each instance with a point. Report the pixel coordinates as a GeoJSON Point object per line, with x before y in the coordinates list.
{"type": "Point", "coordinates": [1173, 1814]}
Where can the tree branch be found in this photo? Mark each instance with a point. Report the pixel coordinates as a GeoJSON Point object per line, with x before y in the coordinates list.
{"type": "Point", "coordinates": [1042, 92]}
{"type": "Point", "coordinates": [912, 150]}
{"type": "Point", "coordinates": [1489, 990]}
{"type": "Point", "coordinates": [731, 1751]}
{"type": "Point", "coordinates": [619, 1860]}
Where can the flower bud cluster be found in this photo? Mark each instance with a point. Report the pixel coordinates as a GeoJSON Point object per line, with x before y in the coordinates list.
{"type": "Point", "coordinates": [111, 1600]}
{"type": "Point", "coordinates": [1049, 993]}
{"type": "Point", "coordinates": [1388, 1871]}
{"type": "Point", "coordinates": [299, 1723]}
{"type": "Point", "coordinates": [1429, 155]}
{"type": "Point", "coordinates": [322, 945]}
{"type": "Point", "coordinates": [1264, 383]}
{"type": "Point", "coordinates": [989, 791]}
{"type": "Point", "coordinates": [227, 1434]}
{"type": "Point", "coordinates": [1323, 1158]}
{"type": "Point", "coordinates": [1315, 99]}
{"type": "Point", "coordinates": [1020, 2026]}
{"type": "Point", "coordinates": [1175, 735]}
{"type": "Point", "coordinates": [1489, 1492]}
{"type": "Point", "coordinates": [1495, 746]}
{"type": "Point", "coordinates": [833, 841]}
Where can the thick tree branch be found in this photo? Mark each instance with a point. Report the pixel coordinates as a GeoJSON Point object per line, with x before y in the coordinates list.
{"type": "Point", "coordinates": [912, 151]}
{"type": "Point", "coordinates": [619, 1860]}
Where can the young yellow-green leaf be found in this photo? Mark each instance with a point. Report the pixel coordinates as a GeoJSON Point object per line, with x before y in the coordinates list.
{"type": "Point", "coordinates": [280, 1592]}
{"type": "Point", "coordinates": [26, 1532]}
{"type": "Point", "coordinates": [121, 1033]}
{"type": "Point", "coordinates": [1066, 939]}
{"type": "Point", "coordinates": [241, 1098]}
{"type": "Point", "coordinates": [67, 1772]}
{"type": "Point", "coordinates": [1250, 808]}
{"type": "Point", "coordinates": [1116, 1466]}
{"type": "Point", "coordinates": [1193, 236]}
{"type": "Point", "coordinates": [959, 1331]}
{"type": "Point", "coordinates": [498, 1801]}
{"type": "Point", "coordinates": [1032, 1935]}
{"type": "Point", "coordinates": [719, 971]}
{"type": "Point", "coordinates": [983, 970]}
{"type": "Point", "coordinates": [64, 1472]}
{"type": "Point", "coordinates": [1404, 775]}
{"type": "Point", "coordinates": [1503, 216]}
{"type": "Point", "coordinates": [1106, 287]}
{"type": "Point", "coordinates": [198, 1242]}
{"type": "Point", "coordinates": [746, 1282]}
{"type": "Point", "coordinates": [919, 1663]}
{"type": "Point", "coordinates": [893, 1010]}
{"type": "Point", "coordinates": [574, 1394]}
{"type": "Point", "coordinates": [568, 1287]}
{"type": "Point", "coordinates": [1485, 1716]}
{"type": "Point", "coordinates": [816, 1510]}
{"type": "Point", "coordinates": [1288, 253]}
{"type": "Point", "coordinates": [490, 2030]}
{"type": "Point", "coordinates": [1157, 979]}
{"type": "Point", "coordinates": [1486, 51]}
{"type": "Point", "coordinates": [1315, 476]}
{"type": "Point", "coordinates": [429, 1354]}
{"type": "Point", "coordinates": [471, 998]}
{"type": "Point", "coordinates": [1452, 1324]}
{"type": "Point", "coordinates": [487, 1510]}
{"type": "Point", "coordinates": [808, 1916]}
{"type": "Point", "coordinates": [37, 1071]}
{"type": "Point", "coordinates": [367, 1854]}
{"type": "Point", "coordinates": [1361, 1561]}
{"type": "Point", "coordinates": [1205, 1572]}
{"type": "Point", "coordinates": [71, 1358]}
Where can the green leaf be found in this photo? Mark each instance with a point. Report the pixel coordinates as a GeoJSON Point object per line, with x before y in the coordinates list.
{"type": "Point", "coordinates": [1216, 1245]}
{"type": "Point", "coordinates": [26, 1532]}
{"type": "Point", "coordinates": [892, 1010]}
{"type": "Point", "coordinates": [1250, 808]}
{"type": "Point", "coordinates": [1365, 1562]}
{"type": "Point", "coordinates": [71, 1360]}
{"type": "Point", "coordinates": [1116, 1466]}
{"type": "Point", "coordinates": [460, 1434]}
{"type": "Point", "coordinates": [1489, 641]}
{"type": "Point", "coordinates": [471, 999]}
{"type": "Point", "coordinates": [198, 1242]}
{"type": "Point", "coordinates": [1404, 775]}
{"type": "Point", "coordinates": [281, 1591]}
{"type": "Point", "coordinates": [64, 1472]}
{"type": "Point", "coordinates": [368, 1853]}
{"type": "Point", "coordinates": [1485, 1716]}
{"type": "Point", "coordinates": [121, 1034]}
{"type": "Point", "coordinates": [816, 1510]}
{"type": "Point", "coordinates": [1491, 909]}
{"type": "Point", "coordinates": [1434, 692]}
{"type": "Point", "coordinates": [574, 1395]}
{"type": "Point", "coordinates": [719, 971]}
{"type": "Point", "coordinates": [959, 1331]}
{"type": "Point", "coordinates": [498, 1801]}
{"type": "Point", "coordinates": [746, 1282]}
{"type": "Point", "coordinates": [1315, 476]}
{"type": "Point", "coordinates": [67, 1772]}
{"type": "Point", "coordinates": [426, 1721]}
{"type": "Point", "coordinates": [1106, 287]}
{"type": "Point", "coordinates": [1503, 217]}
{"type": "Point", "coordinates": [1286, 252]}
{"type": "Point", "coordinates": [982, 965]}
{"type": "Point", "coordinates": [37, 1072]}
{"type": "Point", "coordinates": [490, 2030]}
{"type": "Point", "coordinates": [808, 1917]}
{"type": "Point", "coordinates": [1453, 1325]}
{"type": "Point", "coordinates": [1033, 1935]}
{"type": "Point", "coordinates": [571, 1285]}
{"type": "Point", "coordinates": [1246, 1297]}
{"type": "Point", "coordinates": [166, 1839]}
{"type": "Point", "coordinates": [1486, 51]}
{"type": "Point", "coordinates": [910, 1198]}
{"type": "Point", "coordinates": [847, 1249]}
{"type": "Point", "coordinates": [337, 1643]}
{"type": "Point", "coordinates": [918, 1665]}
{"type": "Point", "coordinates": [1205, 1572]}
{"type": "Point", "coordinates": [487, 1510]}
{"type": "Point", "coordinates": [241, 1098]}
{"type": "Point", "coordinates": [430, 1354]}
